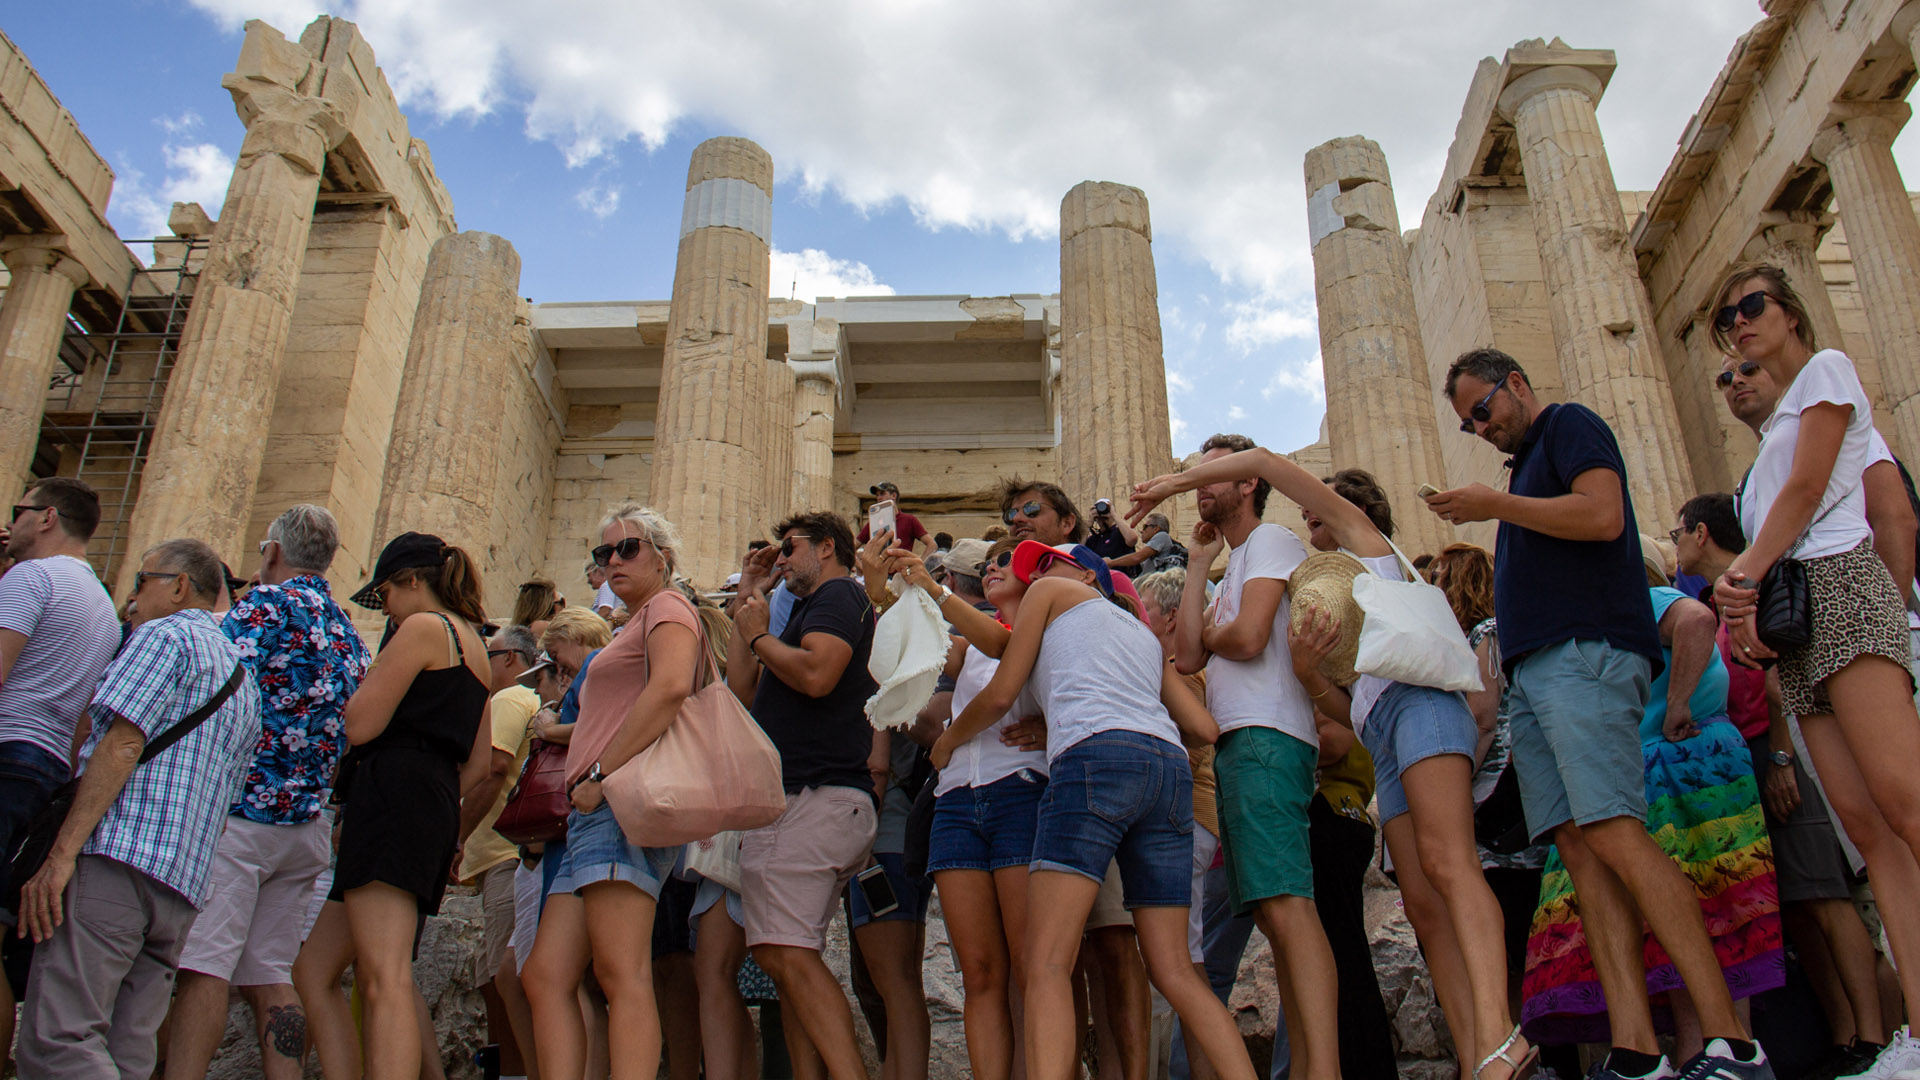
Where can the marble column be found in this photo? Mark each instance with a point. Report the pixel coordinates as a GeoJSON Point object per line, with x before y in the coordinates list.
{"type": "Point", "coordinates": [816, 398]}
{"type": "Point", "coordinates": [1113, 392]}
{"type": "Point", "coordinates": [33, 319]}
{"type": "Point", "coordinates": [710, 439]}
{"type": "Point", "coordinates": [1380, 397]}
{"type": "Point", "coordinates": [212, 430]}
{"type": "Point", "coordinates": [450, 419]}
{"type": "Point", "coordinates": [778, 498]}
{"type": "Point", "coordinates": [1790, 241]}
{"type": "Point", "coordinates": [1610, 358]}
{"type": "Point", "coordinates": [1884, 238]}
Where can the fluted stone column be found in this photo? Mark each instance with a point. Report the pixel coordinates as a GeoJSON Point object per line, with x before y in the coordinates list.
{"type": "Point", "coordinates": [33, 318]}
{"type": "Point", "coordinates": [1380, 412]}
{"type": "Point", "coordinates": [778, 469]}
{"type": "Point", "coordinates": [1790, 241]}
{"type": "Point", "coordinates": [1857, 149]}
{"type": "Point", "coordinates": [443, 458]}
{"type": "Point", "coordinates": [1610, 360]}
{"type": "Point", "coordinates": [1113, 392]}
{"type": "Point", "coordinates": [816, 398]}
{"type": "Point", "coordinates": [211, 433]}
{"type": "Point", "coordinates": [709, 434]}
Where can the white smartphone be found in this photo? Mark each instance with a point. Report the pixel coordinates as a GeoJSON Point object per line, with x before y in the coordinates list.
{"type": "Point", "coordinates": [880, 517]}
{"type": "Point", "coordinates": [1427, 491]}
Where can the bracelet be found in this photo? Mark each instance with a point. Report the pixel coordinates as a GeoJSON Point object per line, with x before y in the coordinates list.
{"type": "Point", "coordinates": [1321, 694]}
{"type": "Point", "coordinates": [756, 640]}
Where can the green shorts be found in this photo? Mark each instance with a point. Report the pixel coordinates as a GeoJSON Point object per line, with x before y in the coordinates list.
{"type": "Point", "coordinates": [1265, 782]}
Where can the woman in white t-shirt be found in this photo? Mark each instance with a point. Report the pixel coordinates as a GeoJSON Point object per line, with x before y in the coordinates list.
{"type": "Point", "coordinates": [1422, 740]}
{"type": "Point", "coordinates": [1851, 686]}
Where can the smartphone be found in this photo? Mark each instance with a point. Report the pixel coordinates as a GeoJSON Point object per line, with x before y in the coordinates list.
{"type": "Point", "coordinates": [880, 517]}
{"type": "Point", "coordinates": [1427, 491]}
{"type": "Point", "coordinates": [877, 891]}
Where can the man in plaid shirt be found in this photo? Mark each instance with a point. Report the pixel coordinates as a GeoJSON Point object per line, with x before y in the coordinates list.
{"type": "Point", "coordinates": [111, 907]}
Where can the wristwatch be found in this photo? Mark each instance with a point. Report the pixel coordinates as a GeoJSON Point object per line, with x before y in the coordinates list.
{"type": "Point", "coordinates": [945, 594]}
{"type": "Point", "coordinates": [593, 775]}
{"type": "Point", "coordinates": [1780, 758]}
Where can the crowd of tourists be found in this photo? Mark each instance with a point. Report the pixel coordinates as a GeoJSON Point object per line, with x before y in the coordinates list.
{"type": "Point", "coordinates": [1619, 770]}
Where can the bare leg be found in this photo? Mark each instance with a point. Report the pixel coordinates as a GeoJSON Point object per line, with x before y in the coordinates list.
{"type": "Point", "coordinates": [892, 951]}
{"type": "Point", "coordinates": [674, 989]}
{"type": "Point", "coordinates": [810, 993]}
{"type": "Point", "coordinates": [194, 1025]}
{"type": "Point", "coordinates": [322, 961]}
{"type": "Point", "coordinates": [513, 999]}
{"type": "Point", "coordinates": [1115, 956]}
{"type": "Point", "coordinates": [619, 921]}
{"type": "Point", "coordinates": [1309, 983]}
{"type": "Point", "coordinates": [431, 1067]}
{"type": "Point", "coordinates": [281, 1026]}
{"type": "Point", "coordinates": [1163, 938]}
{"type": "Point", "coordinates": [971, 904]}
{"type": "Point", "coordinates": [552, 980]}
{"type": "Point", "coordinates": [726, 1030]}
{"type": "Point", "coordinates": [1057, 904]}
{"type": "Point", "coordinates": [382, 919]}
{"type": "Point", "coordinates": [1433, 926]}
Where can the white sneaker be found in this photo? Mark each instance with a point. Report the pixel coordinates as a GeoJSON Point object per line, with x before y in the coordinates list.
{"type": "Point", "coordinates": [1899, 1061]}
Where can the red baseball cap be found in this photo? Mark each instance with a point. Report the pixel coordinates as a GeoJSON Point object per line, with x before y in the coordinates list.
{"type": "Point", "coordinates": [1032, 558]}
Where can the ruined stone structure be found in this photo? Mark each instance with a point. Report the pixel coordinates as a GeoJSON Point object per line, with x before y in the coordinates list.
{"type": "Point", "coordinates": [1602, 295]}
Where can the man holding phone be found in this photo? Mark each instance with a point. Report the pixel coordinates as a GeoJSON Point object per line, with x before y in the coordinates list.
{"type": "Point", "coordinates": [907, 530]}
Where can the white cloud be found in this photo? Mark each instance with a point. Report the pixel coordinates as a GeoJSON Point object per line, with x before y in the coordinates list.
{"type": "Point", "coordinates": [600, 200]}
{"type": "Point", "coordinates": [196, 172]}
{"type": "Point", "coordinates": [1270, 320]}
{"type": "Point", "coordinates": [1297, 378]}
{"type": "Point", "coordinates": [811, 273]}
{"type": "Point", "coordinates": [1235, 412]}
{"type": "Point", "coordinates": [1178, 383]}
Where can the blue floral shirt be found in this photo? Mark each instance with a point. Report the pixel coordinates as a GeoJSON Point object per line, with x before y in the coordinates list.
{"type": "Point", "coordinates": [307, 659]}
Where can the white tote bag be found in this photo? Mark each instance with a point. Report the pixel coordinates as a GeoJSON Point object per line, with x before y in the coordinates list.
{"type": "Point", "coordinates": [1410, 634]}
{"type": "Point", "coordinates": [717, 859]}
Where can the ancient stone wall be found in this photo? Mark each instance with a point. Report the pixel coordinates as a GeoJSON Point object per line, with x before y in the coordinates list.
{"type": "Point", "coordinates": [948, 490]}
{"type": "Point", "coordinates": [523, 491]}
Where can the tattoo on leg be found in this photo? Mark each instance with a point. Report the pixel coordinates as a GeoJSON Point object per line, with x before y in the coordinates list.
{"type": "Point", "coordinates": [286, 1030]}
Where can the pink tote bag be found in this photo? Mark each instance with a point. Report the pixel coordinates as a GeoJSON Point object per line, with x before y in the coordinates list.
{"type": "Point", "coordinates": [713, 770]}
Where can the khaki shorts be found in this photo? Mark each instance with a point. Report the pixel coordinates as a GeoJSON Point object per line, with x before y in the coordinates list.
{"type": "Point", "coordinates": [1109, 907]}
{"type": "Point", "coordinates": [793, 871]}
{"type": "Point", "coordinates": [256, 911]}
{"type": "Point", "coordinates": [496, 918]}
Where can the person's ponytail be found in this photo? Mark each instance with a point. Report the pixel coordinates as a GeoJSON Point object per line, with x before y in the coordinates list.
{"type": "Point", "coordinates": [458, 586]}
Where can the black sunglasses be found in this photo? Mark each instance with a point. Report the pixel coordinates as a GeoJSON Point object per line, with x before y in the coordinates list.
{"type": "Point", "coordinates": [140, 579]}
{"type": "Point", "coordinates": [626, 549]}
{"type": "Point", "coordinates": [23, 507]}
{"type": "Point", "coordinates": [1747, 307]}
{"type": "Point", "coordinates": [1480, 413]}
{"type": "Point", "coordinates": [1029, 511]}
{"type": "Point", "coordinates": [1747, 368]}
{"type": "Point", "coordinates": [786, 545]}
{"type": "Point", "coordinates": [1003, 560]}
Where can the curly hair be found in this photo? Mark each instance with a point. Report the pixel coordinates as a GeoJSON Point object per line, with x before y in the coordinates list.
{"type": "Point", "coordinates": [1358, 487]}
{"type": "Point", "coordinates": [1467, 578]}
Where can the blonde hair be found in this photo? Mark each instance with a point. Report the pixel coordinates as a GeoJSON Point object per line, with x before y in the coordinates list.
{"type": "Point", "coordinates": [654, 528]}
{"type": "Point", "coordinates": [581, 626]}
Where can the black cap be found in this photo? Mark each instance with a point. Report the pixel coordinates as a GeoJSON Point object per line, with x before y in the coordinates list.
{"type": "Point", "coordinates": [884, 485]}
{"type": "Point", "coordinates": [235, 585]}
{"type": "Point", "coordinates": [408, 551]}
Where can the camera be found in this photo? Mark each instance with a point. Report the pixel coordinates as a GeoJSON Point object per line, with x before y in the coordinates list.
{"type": "Point", "coordinates": [1103, 507]}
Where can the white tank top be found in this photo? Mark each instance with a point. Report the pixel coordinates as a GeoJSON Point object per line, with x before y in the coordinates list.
{"type": "Point", "coordinates": [1099, 669]}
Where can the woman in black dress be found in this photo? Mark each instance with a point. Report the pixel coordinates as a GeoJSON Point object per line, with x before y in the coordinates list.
{"type": "Point", "coordinates": [420, 736]}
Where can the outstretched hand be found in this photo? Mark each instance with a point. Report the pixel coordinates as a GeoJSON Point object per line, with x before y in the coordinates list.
{"type": "Point", "coordinates": [1153, 492]}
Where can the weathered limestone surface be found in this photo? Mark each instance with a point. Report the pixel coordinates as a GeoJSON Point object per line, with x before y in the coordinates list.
{"type": "Point", "coordinates": [1113, 391]}
{"type": "Point", "coordinates": [1609, 358]}
{"type": "Point", "coordinates": [1380, 404]}
{"type": "Point", "coordinates": [443, 459]}
{"type": "Point", "coordinates": [708, 478]}
{"type": "Point", "coordinates": [1857, 149]}
{"type": "Point", "coordinates": [211, 433]}
{"type": "Point", "coordinates": [816, 393]}
{"type": "Point", "coordinates": [522, 496]}
{"type": "Point", "coordinates": [33, 316]}
{"type": "Point", "coordinates": [781, 396]}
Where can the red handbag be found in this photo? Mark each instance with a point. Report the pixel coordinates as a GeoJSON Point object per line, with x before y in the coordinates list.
{"type": "Point", "coordinates": [537, 808]}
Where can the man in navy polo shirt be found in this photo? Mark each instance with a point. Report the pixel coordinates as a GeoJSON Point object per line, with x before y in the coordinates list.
{"type": "Point", "coordinates": [1580, 647]}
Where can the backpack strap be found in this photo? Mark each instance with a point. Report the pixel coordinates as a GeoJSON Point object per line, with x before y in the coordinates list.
{"type": "Point", "coordinates": [193, 719]}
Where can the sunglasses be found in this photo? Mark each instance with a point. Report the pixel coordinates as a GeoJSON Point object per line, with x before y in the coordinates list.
{"type": "Point", "coordinates": [25, 507]}
{"type": "Point", "coordinates": [1030, 511]}
{"type": "Point", "coordinates": [1480, 413]}
{"type": "Point", "coordinates": [1747, 368]}
{"type": "Point", "coordinates": [627, 549]}
{"type": "Point", "coordinates": [1002, 560]}
{"type": "Point", "coordinates": [1747, 307]}
{"type": "Point", "coordinates": [786, 545]}
{"type": "Point", "coordinates": [141, 578]}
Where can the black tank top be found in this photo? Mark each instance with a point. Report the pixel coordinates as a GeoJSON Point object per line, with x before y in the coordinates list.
{"type": "Point", "coordinates": [440, 711]}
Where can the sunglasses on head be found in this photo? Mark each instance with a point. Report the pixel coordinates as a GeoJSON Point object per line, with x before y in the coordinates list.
{"type": "Point", "coordinates": [1747, 368]}
{"type": "Point", "coordinates": [628, 548]}
{"type": "Point", "coordinates": [1747, 307]}
{"type": "Point", "coordinates": [1030, 511]}
{"type": "Point", "coordinates": [1480, 413]}
{"type": "Point", "coordinates": [786, 545]}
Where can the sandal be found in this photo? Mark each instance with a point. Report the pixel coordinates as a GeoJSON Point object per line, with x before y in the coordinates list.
{"type": "Point", "coordinates": [1523, 1069]}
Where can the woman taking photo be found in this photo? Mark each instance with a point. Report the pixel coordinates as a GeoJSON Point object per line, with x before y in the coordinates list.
{"type": "Point", "coordinates": [637, 687]}
{"type": "Point", "coordinates": [420, 739]}
{"type": "Point", "coordinates": [1850, 686]}
{"type": "Point", "coordinates": [1423, 743]}
{"type": "Point", "coordinates": [1120, 788]}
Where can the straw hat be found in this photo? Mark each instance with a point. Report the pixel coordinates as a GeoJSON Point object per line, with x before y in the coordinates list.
{"type": "Point", "coordinates": [1325, 581]}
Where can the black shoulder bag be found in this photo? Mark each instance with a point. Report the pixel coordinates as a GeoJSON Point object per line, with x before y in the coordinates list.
{"type": "Point", "coordinates": [1783, 617]}
{"type": "Point", "coordinates": [31, 848]}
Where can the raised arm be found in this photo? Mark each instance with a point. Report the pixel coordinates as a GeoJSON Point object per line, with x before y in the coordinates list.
{"type": "Point", "coordinates": [1348, 523]}
{"type": "Point", "coordinates": [1037, 609]}
{"type": "Point", "coordinates": [982, 631]}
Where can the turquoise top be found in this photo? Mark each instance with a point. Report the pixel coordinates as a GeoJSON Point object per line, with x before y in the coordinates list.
{"type": "Point", "coordinates": [1709, 697]}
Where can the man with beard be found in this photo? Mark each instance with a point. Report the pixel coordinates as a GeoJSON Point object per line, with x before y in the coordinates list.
{"type": "Point", "coordinates": [807, 686]}
{"type": "Point", "coordinates": [1037, 510]}
{"type": "Point", "coordinates": [1579, 647]}
{"type": "Point", "coordinates": [1265, 761]}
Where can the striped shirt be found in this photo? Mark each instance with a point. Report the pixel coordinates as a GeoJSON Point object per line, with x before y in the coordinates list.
{"type": "Point", "coordinates": [67, 618]}
{"type": "Point", "coordinates": [168, 818]}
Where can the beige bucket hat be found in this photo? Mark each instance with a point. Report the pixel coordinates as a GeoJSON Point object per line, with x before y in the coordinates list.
{"type": "Point", "coordinates": [1325, 581]}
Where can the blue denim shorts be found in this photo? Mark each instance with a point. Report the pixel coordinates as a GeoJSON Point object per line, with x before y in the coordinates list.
{"type": "Point", "coordinates": [1125, 796]}
{"type": "Point", "coordinates": [598, 851]}
{"type": "Point", "coordinates": [1575, 711]}
{"type": "Point", "coordinates": [912, 893]}
{"type": "Point", "coordinates": [987, 828]}
{"type": "Point", "coordinates": [1408, 725]}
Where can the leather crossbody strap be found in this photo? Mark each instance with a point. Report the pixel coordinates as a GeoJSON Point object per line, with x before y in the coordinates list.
{"type": "Point", "coordinates": [193, 719]}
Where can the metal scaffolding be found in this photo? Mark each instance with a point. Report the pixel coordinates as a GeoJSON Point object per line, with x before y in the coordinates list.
{"type": "Point", "coordinates": [105, 398]}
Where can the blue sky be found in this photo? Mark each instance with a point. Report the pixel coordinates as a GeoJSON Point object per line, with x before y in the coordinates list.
{"type": "Point", "coordinates": [921, 146]}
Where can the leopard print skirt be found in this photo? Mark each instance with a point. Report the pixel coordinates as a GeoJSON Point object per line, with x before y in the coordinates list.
{"type": "Point", "coordinates": [1856, 612]}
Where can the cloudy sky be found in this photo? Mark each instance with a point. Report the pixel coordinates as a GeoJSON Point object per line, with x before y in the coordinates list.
{"type": "Point", "coordinates": [922, 146]}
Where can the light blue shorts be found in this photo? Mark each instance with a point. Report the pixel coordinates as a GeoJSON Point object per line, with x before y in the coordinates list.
{"type": "Point", "coordinates": [598, 851]}
{"type": "Point", "coordinates": [1575, 711]}
{"type": "Point", "coordinates": [1408, 725]}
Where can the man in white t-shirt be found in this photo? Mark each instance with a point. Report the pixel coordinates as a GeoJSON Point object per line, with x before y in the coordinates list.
{"type": "Point", "coordinates": [1268, 750]}
{"type": "Point", "coordinates": [58, 632]}
{"type": "Point", "coordinates": [603, 599]}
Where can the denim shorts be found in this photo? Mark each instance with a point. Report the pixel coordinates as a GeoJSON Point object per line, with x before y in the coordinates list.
{"type": "Point", "coordinates": [1408, 725]}
{"type": "Point", "coordinates": [28, 778]}
{"type": "Point", "coordinates": [989, 827]}
{"type": "Point", "coordinates": [598, 851]}
{"type": "Point", "coordinates": [1575, 711]}
{"type": "Point", "coordinates": [912, 894]}
{"type": "Point", "coordinates": [1127, 797]}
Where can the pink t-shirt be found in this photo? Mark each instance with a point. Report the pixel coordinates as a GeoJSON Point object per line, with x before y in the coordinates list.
{"type": "Point", "coordinates": [618, 675]}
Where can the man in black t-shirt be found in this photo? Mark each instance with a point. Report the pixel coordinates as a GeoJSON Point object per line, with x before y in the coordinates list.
{"type": "Point", "coordinates": [808, 686]}
{"type": "Point", "coordinates": [1110, 538]}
